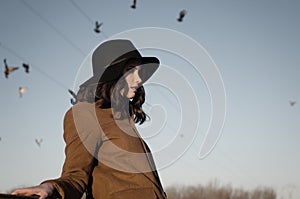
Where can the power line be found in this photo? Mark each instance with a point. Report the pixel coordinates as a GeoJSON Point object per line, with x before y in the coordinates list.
{"type": "Point", "coordinates": [82, 12]}
{"type": "Point", "coordinates": [87, 17]}
{"type": "Point", "coordinates": [31, 65]}
{"type": "Point", "coordinates": [35, 12]}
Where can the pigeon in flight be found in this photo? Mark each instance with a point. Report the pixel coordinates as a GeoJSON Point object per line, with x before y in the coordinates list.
{"type": "Point", "coordinates": [22, 90]}
{"type": "Point", "coordinates": [38, 142]}
{"type": "Point", "coordinates": [97, 27]}
{"type": "Point", "coordinates": [133, 6]}
{"type": "Point", "coordinates": [292, 102]}
{"type": "Point", "coordinates": [26, 67]}
{"type": "Point", "coordinates": [73, 101]}
{"type": "Point", "coordinates": [8, 69]}
{"type": "Point", "coordinates": [181, 15]}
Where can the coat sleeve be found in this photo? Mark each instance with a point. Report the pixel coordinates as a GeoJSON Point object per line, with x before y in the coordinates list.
{"type": "Point", "coordinates": [82, 136]}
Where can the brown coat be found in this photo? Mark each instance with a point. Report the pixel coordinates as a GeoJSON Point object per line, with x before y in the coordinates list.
{"type": "Point", "coordinates": [125, 168]}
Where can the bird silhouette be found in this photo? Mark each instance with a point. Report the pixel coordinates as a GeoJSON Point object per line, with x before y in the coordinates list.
{"type": "Point", "coordinates": [182, 13]}
{"type": "Point", "coordinates": [97, 27]}
{"type": "Point", "coordinates": [74, 99]}
{"type": "Point", "coordinates": [39, 142]}
{"type": "Point", "coordinates": [292, 102]}
{"type": "Point", "coordinates": [26, 67]}
{"type": "Point", "coordinates": [133, 6]}
{"type": "Point", "coordinates": [22, 90]}
{"type": "Point", "coordinates": [8, 69]}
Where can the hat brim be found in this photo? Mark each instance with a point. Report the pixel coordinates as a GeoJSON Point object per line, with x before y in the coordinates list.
{"type": "Point", "coordinates": [148, 66]}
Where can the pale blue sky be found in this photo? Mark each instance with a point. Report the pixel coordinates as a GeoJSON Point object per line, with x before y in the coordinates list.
{"type": "Point", "coordinates": [255, 45]}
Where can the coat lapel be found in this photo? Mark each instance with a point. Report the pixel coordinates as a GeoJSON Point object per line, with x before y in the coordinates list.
{"type": "Point", "coordinates": [153, 176]}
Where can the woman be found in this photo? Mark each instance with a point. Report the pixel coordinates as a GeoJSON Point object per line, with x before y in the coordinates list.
{"type": "Point", "coordinates": [105, 155]}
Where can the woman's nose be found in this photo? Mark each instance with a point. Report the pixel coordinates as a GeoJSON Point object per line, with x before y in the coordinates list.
{"type": "Point", "coordinates": [138, 78]}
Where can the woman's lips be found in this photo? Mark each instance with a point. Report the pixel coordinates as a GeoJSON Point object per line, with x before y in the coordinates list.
{"type": "Point", "coordinates": [134, 88]}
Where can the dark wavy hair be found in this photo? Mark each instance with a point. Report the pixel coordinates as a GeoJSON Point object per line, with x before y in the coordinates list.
{"type": "Point", "coordinates": [107, 95]}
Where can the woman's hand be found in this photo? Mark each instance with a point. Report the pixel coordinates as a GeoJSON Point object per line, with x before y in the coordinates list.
{"type": "Point", "coordinates": [43, 190]}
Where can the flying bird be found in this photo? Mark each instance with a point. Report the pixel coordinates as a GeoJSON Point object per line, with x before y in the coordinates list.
{"type": "Point", "coordinates": [22, 90]}
{"type": "Point", "coordinates": [97, 27]}
{"type": "Point", "coordinates": [38, 142]}
{"type": "Point", "coordinates": [74, 99]}
{"type": "Point", "coordinates": [181, 15]}
{"type": "Point", "coordinates": [133, 6]}
{"type": "Point", "coordinates": [292, 102]}
{"type": "Point", "coordinates": [26, 67]}
{"type": "Point", "coordinates": [8, 69]}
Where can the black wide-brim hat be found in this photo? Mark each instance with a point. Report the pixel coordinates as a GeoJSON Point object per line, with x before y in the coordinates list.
{"type": "Point", "coordinates": [110, 58]}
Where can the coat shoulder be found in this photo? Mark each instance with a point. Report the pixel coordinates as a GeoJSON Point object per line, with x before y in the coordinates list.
{"type": "Point", "coordinates": [81, 108]}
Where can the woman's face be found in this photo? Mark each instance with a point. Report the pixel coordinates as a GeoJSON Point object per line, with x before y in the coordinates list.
{"type": "Point", "coordinates": [133, 80]}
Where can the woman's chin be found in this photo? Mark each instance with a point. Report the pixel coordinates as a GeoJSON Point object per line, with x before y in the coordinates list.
{"type": "Point", "coordinates": [130, 95]}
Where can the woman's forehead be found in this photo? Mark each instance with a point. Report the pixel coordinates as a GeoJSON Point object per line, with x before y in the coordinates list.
{"type": "Point", "coordinates": [138, 67]}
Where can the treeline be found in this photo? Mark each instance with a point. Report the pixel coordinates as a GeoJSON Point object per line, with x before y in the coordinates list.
{"type": "Point", "coordinates": [214, 191]}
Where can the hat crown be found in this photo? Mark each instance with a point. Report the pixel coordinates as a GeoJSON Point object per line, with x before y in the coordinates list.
{"type": "Point", "coordinates": [109, 60]}
{"type": "Point", "coordinates": [110, 52]}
